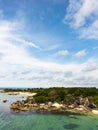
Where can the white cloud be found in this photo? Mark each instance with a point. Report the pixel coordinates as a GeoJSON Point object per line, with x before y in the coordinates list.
{"type": "Point", "coordinates": [26, 43]}
{"type": "Point", "coordinates": [91, 67]}
{"type": "Point", "coordinates": [62, 53]}
{"type": "Point", "coordinates": [19, 68]}
{"type": "Point", "coordinates": [80, 53]}
{"type": "Point", "coordinates": [90, 32]}
{"type": "Point", "coordinates": [83, 16]}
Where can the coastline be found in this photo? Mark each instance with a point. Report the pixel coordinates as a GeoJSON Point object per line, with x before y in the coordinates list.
{"type": "Point", "coordinates": [70, 112]}
{"type": "Point", "coordinates": [18, 107]}
{"type": "Point", "coordinates": [60, 100]}
{"type": "Point", "coordinates": [20, 93]}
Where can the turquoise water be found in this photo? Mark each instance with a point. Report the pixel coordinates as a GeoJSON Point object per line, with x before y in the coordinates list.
{"type": "Point", "coordinates": [32, 121]}
{"type": "Point", "coordinates": [43, 121]}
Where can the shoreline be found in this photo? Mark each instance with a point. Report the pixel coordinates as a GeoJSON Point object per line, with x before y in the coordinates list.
{"type": "Point", "coordinates": [19, 106]}
{"type": "Point", "coordinates": [70, 113]}
{"type": "Point", "coordinates": [20, 93]}
{"type": "Point", "coordinates": [77, 100]}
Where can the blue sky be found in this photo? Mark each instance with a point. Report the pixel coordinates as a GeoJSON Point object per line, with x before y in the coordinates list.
{"type": "Point", "coordinates": [47, 43]}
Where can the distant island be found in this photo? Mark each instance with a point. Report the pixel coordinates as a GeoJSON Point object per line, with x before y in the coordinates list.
{"type": "Point", "coordinates": [57, 99]}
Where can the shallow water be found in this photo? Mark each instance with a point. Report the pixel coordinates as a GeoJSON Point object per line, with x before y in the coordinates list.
{"type": "Point", "coordinates": [5, 107]}
{"type": "Point", "coordinates": [34, 121]}
{"type": "Point", "coordinates": [43, 121]}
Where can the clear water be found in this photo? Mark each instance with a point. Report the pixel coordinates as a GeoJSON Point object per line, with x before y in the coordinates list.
{"type": "Point", "coordinates": [5, 107]}
{"type": "Point", "coordinates": [42, 121]}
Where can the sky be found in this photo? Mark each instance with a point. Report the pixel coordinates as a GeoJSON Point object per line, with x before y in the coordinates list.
{"type": "Point", "coordinates": [48, 43]}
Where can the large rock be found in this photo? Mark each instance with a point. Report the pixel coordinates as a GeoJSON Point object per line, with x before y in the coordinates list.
{"type": "Point", "coordinates": [49, 104]}
{"type": "Point", "coordinates": [57, 105]}
{"type": "Point", "coordinates": [4, 101]}
{"type": "Point", "coordinates": [95, 111]}
{"type": "Point", "coordinates": [86, 103]}
{"type": "Point", "coordinates": [13, 106]}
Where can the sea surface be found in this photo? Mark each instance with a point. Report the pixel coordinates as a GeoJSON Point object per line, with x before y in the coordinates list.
{"type": "Point", "coordinates": [10, 120]}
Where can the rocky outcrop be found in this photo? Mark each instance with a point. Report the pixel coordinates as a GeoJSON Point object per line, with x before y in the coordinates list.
{"type": "Point", "coordinates": [4, 101]}
{"type": "Point", "coordinates": [83, 101]}
{"type": "Point", "coordinates": [79, 105]}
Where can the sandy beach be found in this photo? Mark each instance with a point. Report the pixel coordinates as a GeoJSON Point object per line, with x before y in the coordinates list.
{"type": "Point", "coordinates": [21, 93]}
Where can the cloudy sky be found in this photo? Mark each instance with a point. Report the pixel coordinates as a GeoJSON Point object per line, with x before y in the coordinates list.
{"type": "Point", "coordinates": [46, 43]}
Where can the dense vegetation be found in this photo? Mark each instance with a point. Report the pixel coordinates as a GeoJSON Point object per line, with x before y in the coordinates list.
{"type": "Point", "coordinates": [66, 95]}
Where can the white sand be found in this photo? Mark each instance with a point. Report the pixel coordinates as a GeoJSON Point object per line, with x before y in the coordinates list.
{"type": "Point", "coordinates": [21, 93]}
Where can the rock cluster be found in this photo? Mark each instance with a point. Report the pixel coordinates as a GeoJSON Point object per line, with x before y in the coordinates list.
{"type": "Point", "coordinates": [80, 105]}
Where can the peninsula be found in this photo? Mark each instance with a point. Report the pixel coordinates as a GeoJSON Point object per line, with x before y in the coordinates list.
{"type": "Point", "coordinates": [79, 100]}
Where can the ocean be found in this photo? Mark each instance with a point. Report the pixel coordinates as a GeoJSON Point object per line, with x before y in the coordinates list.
{"type": "Point", "coordinates": [10, 120]}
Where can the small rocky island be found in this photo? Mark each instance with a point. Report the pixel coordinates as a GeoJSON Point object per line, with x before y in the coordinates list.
{"type": "Point", "coordinates": [79, 100]}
